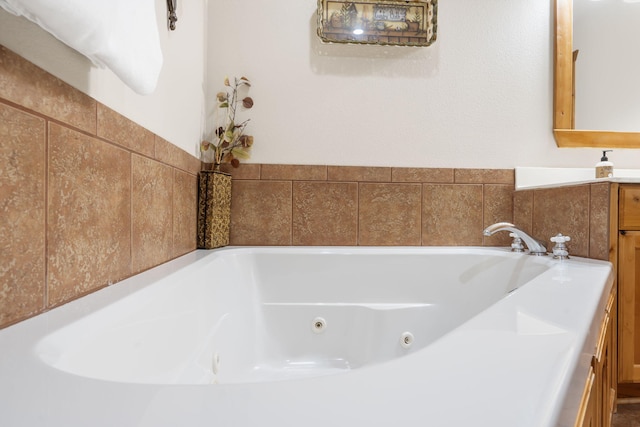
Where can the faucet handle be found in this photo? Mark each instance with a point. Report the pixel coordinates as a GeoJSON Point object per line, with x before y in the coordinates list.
{"type": "Point", "coordinates": [559, 238]}
{"type": "Point", "coordinates": [516, 244]}
{"type": "Point", "coordinates": [560, 249]}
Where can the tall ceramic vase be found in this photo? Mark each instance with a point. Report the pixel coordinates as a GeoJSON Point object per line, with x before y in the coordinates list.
{"type": "Point", "coordinates": [214, 209]}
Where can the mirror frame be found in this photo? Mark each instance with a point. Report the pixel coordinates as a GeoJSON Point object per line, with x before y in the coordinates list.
{"type": "Point", "coordinates": [564, 92]}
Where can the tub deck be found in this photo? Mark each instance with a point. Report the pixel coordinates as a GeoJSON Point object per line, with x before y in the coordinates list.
{"type": "Point", "coordinates": [522, 362]}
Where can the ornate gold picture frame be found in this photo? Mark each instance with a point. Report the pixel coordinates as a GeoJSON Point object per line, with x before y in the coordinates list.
{"type": "Point", "coordinates": [391, 22]}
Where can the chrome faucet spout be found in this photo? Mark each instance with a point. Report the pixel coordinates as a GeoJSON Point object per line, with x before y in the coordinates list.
{"type": "Point", "coordinates": [536, 247]}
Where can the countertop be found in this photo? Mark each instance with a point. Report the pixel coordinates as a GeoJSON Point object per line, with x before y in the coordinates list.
{"type": "Point", "coordinates": [529, 178]}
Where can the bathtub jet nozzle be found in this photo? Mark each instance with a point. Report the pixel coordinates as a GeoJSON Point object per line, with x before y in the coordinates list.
{"type": "Point", "coordinates": [318, 325]}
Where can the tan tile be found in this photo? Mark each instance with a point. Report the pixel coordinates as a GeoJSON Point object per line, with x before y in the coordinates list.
{"type": "Point", "coordinates": [22, 207]}
{"type": "Point", "coordinates": [261, 212]}
{"type": "Point", "coordinates": [122, 131]}
{"type": "Point", "coordinates": [359, 174]}
{"type": "Point", "coordinates": [174, 156]}
{"type": "Point", "coordinates": [523, 210]}
{"type": "Point", "coordinates": [563, 210]}
{"type": "Point", "coordinates": [88, 230]}
{"type": "Point", "coordinates": [325, 213]}
{"type": "Point", "coordinates": [389, 214]}
{"type": "Point", "coordinates": [25, 84]}
{"type": "Point", "coordinates": [244, 171]}
{"type": "Point", "coordinates": [151, 213]}
{"type": "Point", "coordinates": [498, 207]}
{"type": "Point", "coordinates": [599, 221]}
{"type": "Point", "coordinates": [185, 203]}
{"type": "Point", "coordinates": [452, 214]}
{"type": "Point", "coordinates": [434, 175]}
{"type": "Point", "coordinates": [294, 172]}
{"type": "Point", "coordinates": [485, 176]}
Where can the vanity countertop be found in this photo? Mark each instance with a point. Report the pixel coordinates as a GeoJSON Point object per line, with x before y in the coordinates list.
{"type": "Point", "coordinates": [530, 178]}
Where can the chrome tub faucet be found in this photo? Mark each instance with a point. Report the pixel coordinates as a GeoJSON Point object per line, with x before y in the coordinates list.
{"type": "Point", "coordinates": [536, 247]}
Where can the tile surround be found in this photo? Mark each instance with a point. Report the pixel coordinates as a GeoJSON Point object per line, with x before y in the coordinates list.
{"type": "Point", "coordinates": [389, 214]}
{"type": "Point", "coordinates": [151, 213]}
{"type": "Point", "coordinates": [32, 88]}
{"type": "Point", "coordinates": [452, 214]}
{"type": "Point", "coordinates": [87, 197]}
{"type": "Point", "coordinates": [324, 213]}
{"type": "Point", "coordinates": [578, 211]}
{"type": "Point", "coordinates": [22, 207]}
{"type": "Point", "coordinates": [122, 131]}
{"type": "Point", "coordinates": [89, 205]}
{"type": "Point", "coordinates": [185, 195]}
{"type": "Point", "coordinates": [557, 210]}
{"type": "Point", "coordinates": [93, 197]}
{"type": "Point", "coordinates": [453, 208]}
{"type": "Point", "coordinates": [261, 212]}
{"type": "Point", "coordinates": [303, 204]}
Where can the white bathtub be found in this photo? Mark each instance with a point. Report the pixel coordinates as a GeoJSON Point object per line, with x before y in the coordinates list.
{"type": "Point", "coordinates": [315, 337]}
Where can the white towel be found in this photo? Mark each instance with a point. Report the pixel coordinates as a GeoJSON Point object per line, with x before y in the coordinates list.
{"type": "Point", "coordinates": [119, 34]}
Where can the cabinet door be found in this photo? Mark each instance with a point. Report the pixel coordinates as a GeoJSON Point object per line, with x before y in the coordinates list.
{"type": "Point", "coordinates": [629, 207]}
{"type": "Point", "coordinates": [629, 306]}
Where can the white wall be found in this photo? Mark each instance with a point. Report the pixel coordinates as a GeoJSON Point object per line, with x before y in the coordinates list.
{"type": "Point", "coordinates": [174, 111]}
{"type": "Point", "coordinates": [481, 96]}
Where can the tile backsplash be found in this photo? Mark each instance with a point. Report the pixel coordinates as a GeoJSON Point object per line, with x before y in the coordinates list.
{"type": "Point", "coordinates": [380, 206]}
{"type": "Point", "coordinates": [579, 211]}
{"type": "Point", "coordinates": [89, 197]}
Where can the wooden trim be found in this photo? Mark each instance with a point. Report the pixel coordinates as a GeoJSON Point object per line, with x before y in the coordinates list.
{"type": "Point", "coordinates": [563, 64]}
{"type": "Point", "coordinates": [571, 138]}
{"type": "Point", "coordinates": [628, 400]}
{"type": "Point", "coordinates": [585, 411]}
{"type": "Point", "coordinates": [614, 190]}
{"type": "Point", "coordinates": [564, 92]}
{"type": "Point", "coordinates": [602, 336]}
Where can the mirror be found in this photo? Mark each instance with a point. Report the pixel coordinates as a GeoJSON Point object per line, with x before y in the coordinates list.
{"type": "Point", "coordinates": [565, 89]}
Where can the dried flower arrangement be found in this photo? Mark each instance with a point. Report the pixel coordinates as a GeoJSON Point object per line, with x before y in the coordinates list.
{"type": "Point", "coordinates": [230, 143]}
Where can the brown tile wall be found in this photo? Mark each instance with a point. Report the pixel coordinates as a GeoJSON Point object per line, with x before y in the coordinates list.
{"type": "Point", "coordinates": [379, 206]}
{"type": "Point", "coordinates": [581, 212]}
{"type": "Point", "coordinates": [87, 197]}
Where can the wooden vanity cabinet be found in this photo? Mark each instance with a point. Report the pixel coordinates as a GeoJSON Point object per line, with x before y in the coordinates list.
{"type": "Point", "coordinates": [599, 395]}
{"type": "Point", "coordinates": [629, 284]}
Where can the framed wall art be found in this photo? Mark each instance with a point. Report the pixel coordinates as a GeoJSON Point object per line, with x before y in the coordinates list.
{"type": "Point", "coordinates": [390, 22]}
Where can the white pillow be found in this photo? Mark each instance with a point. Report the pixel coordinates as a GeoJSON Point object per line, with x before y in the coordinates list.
{"type": "Point", "coordinates": [119, 34]}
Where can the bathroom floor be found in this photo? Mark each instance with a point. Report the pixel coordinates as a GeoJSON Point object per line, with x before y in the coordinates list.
{"type": "Point", "coordinates": [628, 415]}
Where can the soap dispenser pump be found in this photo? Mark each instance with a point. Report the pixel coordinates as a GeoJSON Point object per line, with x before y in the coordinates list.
{"type": "Point", "coordinates": [604, 168]}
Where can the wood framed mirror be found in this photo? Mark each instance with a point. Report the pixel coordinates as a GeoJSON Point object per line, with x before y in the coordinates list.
{"type": "Point", "coordinates": [564, 92]}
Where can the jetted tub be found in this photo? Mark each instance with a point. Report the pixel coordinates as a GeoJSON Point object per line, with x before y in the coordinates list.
{"type": "Point", "coordinates": [315, 337]}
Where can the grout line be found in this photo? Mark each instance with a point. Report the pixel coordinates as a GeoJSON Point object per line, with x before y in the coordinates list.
{"type": "Point", "coordinates": [291, 240]}
{"type": "Point", "coordinates": [358, 213]}
{"type": "Point", "coordinates": [131, 272]}
{"type": "Point", "coordinates": [45, 302]}
{"type": "Point", "coordinates": [172, 249]}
